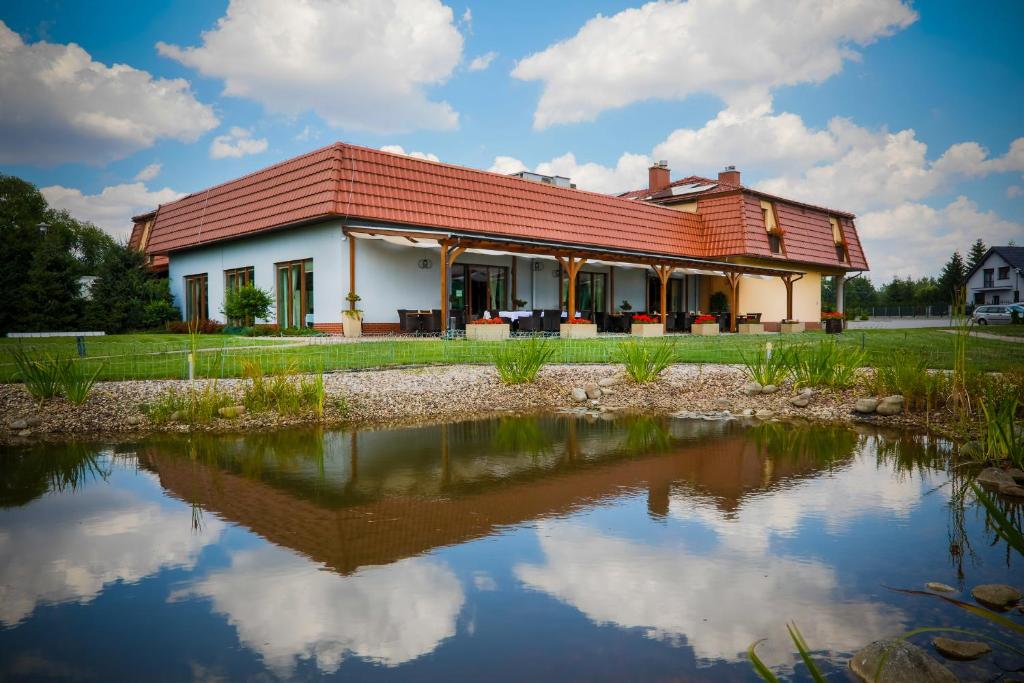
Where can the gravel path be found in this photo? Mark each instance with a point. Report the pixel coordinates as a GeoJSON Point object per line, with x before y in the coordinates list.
{"type": "Point", "coordinates": [998, 337]}
{"type": "Point", "coordinates": [382, 397]}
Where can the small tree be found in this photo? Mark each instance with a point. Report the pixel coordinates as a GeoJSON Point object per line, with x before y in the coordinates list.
{"type": "Point", "coordinates": [976, 253]}
{"type": "Point", "coordinates": [247, 304]}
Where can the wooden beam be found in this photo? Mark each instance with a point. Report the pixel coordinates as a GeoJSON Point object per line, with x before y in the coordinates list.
{"type": "Point", "coordinates": [788, 280]}
{"type": "Point", "coordinates": [515, 283]}
{"type": "Point", "coordinates": [454, 254]}
{"type": "Point", "coordinates": [444, 286]}
{"type": "Point", "coordinates": [571, 300]}
{"type": "Point", "coordinates": [734, 285]}
{"type": "Point", "coordinates": [351, 270]}
{"type": "Point", "coordinates": [664, 272]}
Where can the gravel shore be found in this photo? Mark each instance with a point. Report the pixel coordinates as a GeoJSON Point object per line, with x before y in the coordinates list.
{"type": "Point", "coordinates": [429, 394]}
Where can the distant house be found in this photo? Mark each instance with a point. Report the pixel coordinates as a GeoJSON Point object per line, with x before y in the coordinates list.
{"type": "Point", "coordinates": [410, 234]}
{"type": "Point", "coordinates": [997, 278]}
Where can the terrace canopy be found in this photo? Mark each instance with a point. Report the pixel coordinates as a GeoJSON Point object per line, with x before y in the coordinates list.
{"type": "Point", "coordinates": [572, 257]}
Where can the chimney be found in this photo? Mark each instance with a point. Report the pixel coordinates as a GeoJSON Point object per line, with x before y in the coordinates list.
{"type": "Point", "coordinates": [658, 177]}
{"type": "Point", "coordinates": [730, 176]}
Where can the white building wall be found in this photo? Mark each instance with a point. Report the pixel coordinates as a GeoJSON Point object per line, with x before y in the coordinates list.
{"type": "Point", "coordinates": [1004, 289]}
{"type": "Point", "coordinates": [324, 243]}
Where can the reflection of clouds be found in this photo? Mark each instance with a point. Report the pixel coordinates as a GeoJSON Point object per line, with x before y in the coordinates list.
{"type": "Point", "coordinates": [720, 602]}
{"type": "Point", "coordinates": [859, 489]}
{"type": "Point", "coordinates": [286, 607]}
{"type": "Point", "coordinates": [66, 547]}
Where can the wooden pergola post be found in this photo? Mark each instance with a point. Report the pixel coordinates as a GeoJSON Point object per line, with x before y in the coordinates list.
{"type": "Point", "coordinates": [572, 267]}
{"type": "Point", "coordinates": [444, 285]}
{"type": "Point", "coordinates": [788, 279]}
{"type": "Point", "coordinates": [351, 270]}
{"type": "Point", "coordinates": [734, 289]}
{"type": "Point", "coordinates": [664, 273]}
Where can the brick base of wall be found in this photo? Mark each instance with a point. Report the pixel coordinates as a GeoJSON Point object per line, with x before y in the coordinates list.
{"type": "Point", "coordinates": [329, 328]}
{"type": "Point", "coordinates": [381, 328]}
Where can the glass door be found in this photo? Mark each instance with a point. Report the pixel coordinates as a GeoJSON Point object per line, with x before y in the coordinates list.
{"type": "Point", "coordinates": [196, 309]}
{"type": "Point", "coordinates": [295, 294]}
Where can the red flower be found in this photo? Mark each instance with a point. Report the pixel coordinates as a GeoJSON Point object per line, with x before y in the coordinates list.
{"type": "Point", "coordinates": [489, 321]}
{"type": "Point", "coordinates": [577, 321]}
{"type": "Point", "coordinates": [644, 318]}
{"type": "Point", "coordinates": [831, 315]}
{"type": "Point", "coordinates": [704, 319]}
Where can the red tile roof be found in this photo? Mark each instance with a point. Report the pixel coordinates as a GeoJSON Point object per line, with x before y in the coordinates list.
{"type": "Point", "coordinates": [347, 181]}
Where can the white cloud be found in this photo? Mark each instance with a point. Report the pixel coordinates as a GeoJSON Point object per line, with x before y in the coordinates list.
{"type": "Point", "coordinates": [307, 133]}
{"type": "Point", "coordinates": [630, 171]}
{"type": "Point", "coordinates": [237, 143]}
{"type": "Point", "coordinates": [467, 19]}
{"type": "Point", "coordinates": [482, 62]}
{"type": "Point", "coordinates": [914, 239]}
{"type": "Point", "coordinates": [113, 207]}
{"type": "Point", "coordinates": [669, 50]}
{"type": "Point", "coordinates": [60, 106]}
{"type": "Point", "coordinates": [388, 614]}
{"type": "Point", "coordinates": [1014, 191]}
{"type": "Point", "coordinates": [148, 173]}
{"type": "Point", "coordinates": [398, 149]}
{"type": "Point", "coordinates": [363, 64]}
{"type": "Point", "coordinates": [118, 535]}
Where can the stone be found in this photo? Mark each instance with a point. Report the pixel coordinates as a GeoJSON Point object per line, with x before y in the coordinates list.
{"type": "Point", "coordinates": [960, 649]}
{"type": "Point", "coordinates": [721, 403]}
{"type": "Point", "coordinates": [890, 405]}
{"type": "Point", "coordinates": [33, 420]}
{"type": "Point", "coordinates": [800, 400]}
{"type": "Point", "coordinates": [231, 412]}
{"type": "Point", "coordinates": [25, 432]}
{"type": "Point", "coordinates": [579, 395]}
{"type": "Point", "coordinates": [752, 388]}
{"type": "Point", "coordinates": [866, 405]}
{"type": "Point", "coordinates": [607, 382]}
{"type": "Point", "coordinates": [593, 391]}
{"type": "Point", "coordinates": [939, 587]}
{"type": "Point", "coordinates": [769, 389]}
{"type": "Point", "coordinates": [996, 595]}
{"type": "Point", "coordinates": [764, 413]}
{"type": "Point", "coordinates": [605, 391]}
{"type": "Point", "coordinates": [807, 391]}
{"type": "Point", "coordinates": [904, 663]}
{"type": "Point", "coordinates": [1017, 474]}
{"type": "Point", "coordinates": [994, 477]}
{"type": "Point", "coordinates": [17, 425]}
{"type": "Point", "coordinates": [134, 420]}
{"type": "Point", "coordinates": [748, 411]}
{"type": "Point", "coordinates": [1012, 490]}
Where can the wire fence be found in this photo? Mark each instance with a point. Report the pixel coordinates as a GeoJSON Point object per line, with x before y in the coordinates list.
{"type": "Point", "coordinates": [117, 359]}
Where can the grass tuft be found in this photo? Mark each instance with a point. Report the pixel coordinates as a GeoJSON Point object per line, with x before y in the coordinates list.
{"type": "Point", "coordinates": [766, 365]}
{"type": "Point", "coordinates": [519, 362]}
{"type": "Point", "coordinates": [645, 361]}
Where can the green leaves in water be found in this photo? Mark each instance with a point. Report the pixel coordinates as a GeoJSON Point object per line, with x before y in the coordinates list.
{"type": "Point", "coordinates": [997, 517]}
{"type": "Point", "coordinates": [805, 654]}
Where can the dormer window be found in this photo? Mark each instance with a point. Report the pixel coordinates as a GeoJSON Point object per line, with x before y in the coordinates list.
{"type": "Point", "coordinates": [837, 237]}
{"type": "Point", "coordinates": [771, 225]}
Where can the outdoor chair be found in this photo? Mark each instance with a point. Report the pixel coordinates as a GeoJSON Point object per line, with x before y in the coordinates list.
{"type": "Point", "coordinates": [408, 321]}
{"type": "Point", "coordinates": [533, 323]}
{"type": "Point", "coordinates": [432, 322]}
{"type": "Point", "coordinates": [552, 320]}
{"type": "Point", "coordinates": [723, 322]}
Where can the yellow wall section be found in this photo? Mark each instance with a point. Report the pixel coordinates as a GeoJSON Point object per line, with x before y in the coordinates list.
{"type": "Point", "coordinates": [768, 297]}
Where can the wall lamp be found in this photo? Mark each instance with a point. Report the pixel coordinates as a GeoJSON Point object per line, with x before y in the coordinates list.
{"type": "Point", "coordinates": [425, 263]}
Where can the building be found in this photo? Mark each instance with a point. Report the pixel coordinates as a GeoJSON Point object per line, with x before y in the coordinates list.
{"type": "Point", "coordinates": [997, 279]}
{"type": "Point", "coordinates": [406, 233]}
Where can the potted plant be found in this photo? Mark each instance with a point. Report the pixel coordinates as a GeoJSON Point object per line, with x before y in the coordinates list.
{"type": "Point", "coordinates": [518, 303]}
{"type": "Point", "coordinates": [352, 319]}
{"type": "Point", "coordinates": [577, 328]}
{"type": "Point", "coordinates": [488, 329]}
{"type": "Point", "coordinates": [791, 326]}
{"type": "Point", "coordinates": [625, 306]}
{"type": "Point", "coordinates": [704, 325]}
{"type": "Point", "coordinates": [833, 322]}
{"type": "Point", "coordinates": [647, 326]}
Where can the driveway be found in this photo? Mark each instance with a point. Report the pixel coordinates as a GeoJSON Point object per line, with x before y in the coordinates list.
{"type": "Point", "coordinates": [896, 323]}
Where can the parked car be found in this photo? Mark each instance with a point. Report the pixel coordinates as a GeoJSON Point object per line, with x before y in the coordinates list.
{"type": "Point", "coordinates": [993, 314]}
{"type": "Point", "coordinates": [1017, 307]}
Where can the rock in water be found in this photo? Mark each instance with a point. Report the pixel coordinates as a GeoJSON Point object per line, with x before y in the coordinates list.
{"type": "Point", "coordinates": [939, 587]}
{"type": "Point", "coordinates": [996, 595]}
{"type": "Point", "coordinates": [904, 663]}
{"type": "Point", "coordinates": [1012, 490]}
{"type": "Point", "coordinates": [800, 400]}
{"type": "Point", "coordinates": [17, 425]}
{"type": "Point", "coordinates": [866, 405]}
{"type": "Point", "coordinates": [1017, 474]}
{"type": "Point", "coordinates": [995, 477]}
{"type": "Point", "coordinates": [960, 649]}
{"type": "Point", "coordinates": [890, 405]}
{"type": "Point", "coordinates": [593, 391]}
{"type": "Point", "coordinates": [579, 395]}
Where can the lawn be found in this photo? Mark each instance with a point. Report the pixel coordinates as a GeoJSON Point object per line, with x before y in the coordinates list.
{"type": "Point", "coordinates": [155, 356]}
{"type": "Point", "coordinates": [1002, 330]}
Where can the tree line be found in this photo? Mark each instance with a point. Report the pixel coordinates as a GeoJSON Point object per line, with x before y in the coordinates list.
{"type": "Point", "coordinates": [46, 252]}
{"type": "Point", "coordinates": [862, 295]}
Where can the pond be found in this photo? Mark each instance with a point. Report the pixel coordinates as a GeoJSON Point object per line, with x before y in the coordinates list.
{"type": "Point", "coordinates": [541, 548]}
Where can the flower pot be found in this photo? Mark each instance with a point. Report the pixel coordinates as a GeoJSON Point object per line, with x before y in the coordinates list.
{"type": "Point", "coordinates": [487, 332]}
{"type": "Point", "coordinates": [352, 325]}
{"type": "Point", "coordinates": [750, 328]}
{"type": "Point", "coordinates": [647, 329]}
{"type": "Point", "coordinates": [704, 329]}
{"type": "Point", "coordinates": [791, 328]}
{"type": "Point", "coordinates": [577, 330]}
{"type": "Point", "coordinates": [833, 326]}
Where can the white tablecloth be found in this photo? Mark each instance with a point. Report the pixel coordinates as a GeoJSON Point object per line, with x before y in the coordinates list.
{"type": "Point", "coordinates": [516, 315]}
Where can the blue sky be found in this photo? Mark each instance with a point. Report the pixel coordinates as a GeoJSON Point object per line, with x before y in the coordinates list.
{"type": "Point", "coordinates": [906, 114]}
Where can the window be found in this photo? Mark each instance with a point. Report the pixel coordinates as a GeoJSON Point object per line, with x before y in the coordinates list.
{"type": "Point", "coordinates": [1004, 273]}
{"type": "Point", "coordinates": [234, 280]}
{"type": "Point", "coordinates": [476, 288]}
{"type": "Point", "coordinates": [196, 307]}
{"type": "Point", "coordinates": [295, 293]}
{"type": "Point", "coordinates": [839, 240]}
{"type": "Point", "coordinates": [987, 274]}
{"type": "Point", "coordinates": [590, 292]}
{"type": "Point", "coordinates": [995, 300]}
{"type": "Point", "coordinates": [771, 225]}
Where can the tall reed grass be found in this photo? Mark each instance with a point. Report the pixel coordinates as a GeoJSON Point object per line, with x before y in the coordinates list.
{"type": "Point", "coordinates": [766, 365]}
{"type": "Point", "coordinates": [50, 376]}
{"type": "Point", "coordinates": [825, 364]}
{"type": "Point", "coordinates": [519, 362]}
{"type": "Point", "coordinates": [645, 361]}
{"type": "Point", "coordinates": [197, 404]}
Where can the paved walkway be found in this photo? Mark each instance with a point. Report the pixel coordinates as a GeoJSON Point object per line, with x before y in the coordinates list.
{"type": "Point", "coordinates": [997, 337]}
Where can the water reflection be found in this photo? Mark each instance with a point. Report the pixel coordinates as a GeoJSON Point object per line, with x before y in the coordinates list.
{"type": "Point", "coordinates": [445, 550]}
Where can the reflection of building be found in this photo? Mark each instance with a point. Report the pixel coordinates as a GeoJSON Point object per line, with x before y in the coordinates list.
{"type": "Point", "coordinates": [378, 497]}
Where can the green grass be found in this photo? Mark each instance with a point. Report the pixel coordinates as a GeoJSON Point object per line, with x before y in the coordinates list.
{"type": "Point", "coordinates": [163, 356]}
{"type": "Point", "coordinates": [1001, 330]}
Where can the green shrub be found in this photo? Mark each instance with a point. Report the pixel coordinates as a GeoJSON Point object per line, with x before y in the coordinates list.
{"type": "Point", "coordinates": [766, 365]}
{"type": "Point", "coordinates": [644, 361]}
{"type": "Point", "coordinates": [518, 362]}
{"type": "Point", "coordinates": [156, 314]}
{"type": "Point", "coordinates": [247, 303]}
{"type": "Point", "coordinates": [825, 364]}
{"type": "Point", "coordinates": [999, 429]}
{"type": "Point", "coordinates": [907, 374]}
{"type": "Point", "coordinates": [282, 392]}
